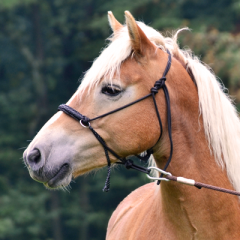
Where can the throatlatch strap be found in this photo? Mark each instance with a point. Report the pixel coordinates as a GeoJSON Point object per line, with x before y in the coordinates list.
{"type": "Point", "coordinates": [85, 121]}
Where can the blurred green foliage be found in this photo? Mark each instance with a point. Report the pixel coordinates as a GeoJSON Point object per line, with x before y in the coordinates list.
{"type": "Point", "coordinates": [45, 46]}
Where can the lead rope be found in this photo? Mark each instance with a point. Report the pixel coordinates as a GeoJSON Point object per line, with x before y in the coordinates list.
{"type": "Point", "coordinates": [191, 182]}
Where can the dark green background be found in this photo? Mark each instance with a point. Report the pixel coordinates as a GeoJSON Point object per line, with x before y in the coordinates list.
{"type": "Point", "coordinates": [45, 47]}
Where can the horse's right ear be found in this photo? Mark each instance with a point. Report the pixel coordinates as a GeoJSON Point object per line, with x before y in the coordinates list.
{"type": "Point", "coordinates": [113, 22]}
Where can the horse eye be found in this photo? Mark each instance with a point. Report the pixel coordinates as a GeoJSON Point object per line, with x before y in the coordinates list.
{"type": "Point", "coordinates": [111, 90]}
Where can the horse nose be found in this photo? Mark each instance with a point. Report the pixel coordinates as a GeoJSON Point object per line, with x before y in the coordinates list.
{"type": "Point", "coordinates": [34, 159]}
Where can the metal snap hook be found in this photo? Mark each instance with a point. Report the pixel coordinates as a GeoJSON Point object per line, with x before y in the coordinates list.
{"type": "Point", "coordinates": [159, 178]}
{"type": "Point", "coordinates": [83, 125]}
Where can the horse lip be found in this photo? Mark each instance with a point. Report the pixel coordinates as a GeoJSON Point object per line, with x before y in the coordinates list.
{"type": "Point", "coordinates": [59, 175]}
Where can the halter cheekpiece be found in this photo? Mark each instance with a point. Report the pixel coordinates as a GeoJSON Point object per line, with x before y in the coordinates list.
{"type": "Point", "coordinates": [85, 122]}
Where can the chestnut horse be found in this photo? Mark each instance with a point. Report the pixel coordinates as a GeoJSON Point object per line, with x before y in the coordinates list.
{"type": "Point", "coordinates": [205, 135]}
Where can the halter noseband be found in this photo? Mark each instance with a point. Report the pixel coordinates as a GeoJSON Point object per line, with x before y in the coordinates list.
{"type": "Point", "coordinates": [85, 122]}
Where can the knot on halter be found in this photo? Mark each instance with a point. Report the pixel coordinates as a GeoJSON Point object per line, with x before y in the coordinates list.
{"type": "Point", "coordinates": [128, 164]}
{"type": "Point", "coordinates": [158, 84]}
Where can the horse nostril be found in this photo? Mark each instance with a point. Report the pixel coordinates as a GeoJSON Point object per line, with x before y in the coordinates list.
{"type": "Point", "coordinates": [34, 156]}
{"type": "Point", "coordinates": [34, 159]}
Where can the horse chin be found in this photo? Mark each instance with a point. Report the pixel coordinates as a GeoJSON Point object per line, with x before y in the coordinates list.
{"type": "Point", "coordinates": [57, 178]}
{"type": "Point", "coordinates": [58, 183]}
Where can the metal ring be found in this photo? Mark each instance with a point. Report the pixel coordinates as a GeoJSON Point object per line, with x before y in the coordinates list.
{"type": "Point", "coordinates": [84, 125]}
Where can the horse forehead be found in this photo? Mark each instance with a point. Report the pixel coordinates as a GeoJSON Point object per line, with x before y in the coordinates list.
{"type": "Point", "coordinates": [135, 72]}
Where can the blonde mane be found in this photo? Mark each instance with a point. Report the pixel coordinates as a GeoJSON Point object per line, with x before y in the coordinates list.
{"type": "Point", "coordinates": [220, 118]}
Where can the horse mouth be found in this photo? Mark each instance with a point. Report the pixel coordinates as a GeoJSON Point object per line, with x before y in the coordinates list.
{"type": "Point", "coordinates": [58, 179]}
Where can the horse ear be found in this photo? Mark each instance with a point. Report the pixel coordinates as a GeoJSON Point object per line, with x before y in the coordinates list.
{"type": "Point", "coordinates": [113, 22]}
{"type": "Point", "coordinates": [141, 45]}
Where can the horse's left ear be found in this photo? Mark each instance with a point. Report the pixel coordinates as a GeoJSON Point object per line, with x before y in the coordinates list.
{"type": "Point", "coordinates": [141, 45]}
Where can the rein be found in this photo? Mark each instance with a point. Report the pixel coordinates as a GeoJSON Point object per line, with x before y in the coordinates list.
{"type": "Point", "coordinates": [85, 122]}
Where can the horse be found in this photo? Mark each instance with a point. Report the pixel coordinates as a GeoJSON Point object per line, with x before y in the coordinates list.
{"type": "Point", "coordinates": [205, 133]}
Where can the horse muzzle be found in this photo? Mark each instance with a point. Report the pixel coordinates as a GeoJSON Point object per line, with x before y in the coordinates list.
{"type": "Point", "coordinates": [50, 176]}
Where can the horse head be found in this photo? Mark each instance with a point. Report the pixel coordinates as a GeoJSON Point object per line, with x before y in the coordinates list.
{"type": "Point", "coordinates": [125, 71]}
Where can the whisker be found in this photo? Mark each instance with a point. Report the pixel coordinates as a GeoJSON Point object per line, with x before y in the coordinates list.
{"type": "Point", "coordinates": [22, 148]}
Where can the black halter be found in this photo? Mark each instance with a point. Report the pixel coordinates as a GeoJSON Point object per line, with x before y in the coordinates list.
{"type": "Point", "coordinates": [85, 122]}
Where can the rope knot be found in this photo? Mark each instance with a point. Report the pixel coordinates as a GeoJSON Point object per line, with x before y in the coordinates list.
{"type": "Point", "coordinates": [154, 90]}
{"type": "Point", "coordinates": [128, 164]}
{"type": "Point", "coordinates": [158, 84]}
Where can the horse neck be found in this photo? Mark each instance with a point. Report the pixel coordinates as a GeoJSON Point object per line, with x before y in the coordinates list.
{"type": "Point", "coordinates": [204, 214]}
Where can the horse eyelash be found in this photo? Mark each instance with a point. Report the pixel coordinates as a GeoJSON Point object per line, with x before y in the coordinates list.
{"type": "Point", "coordinates": [113, 88]}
